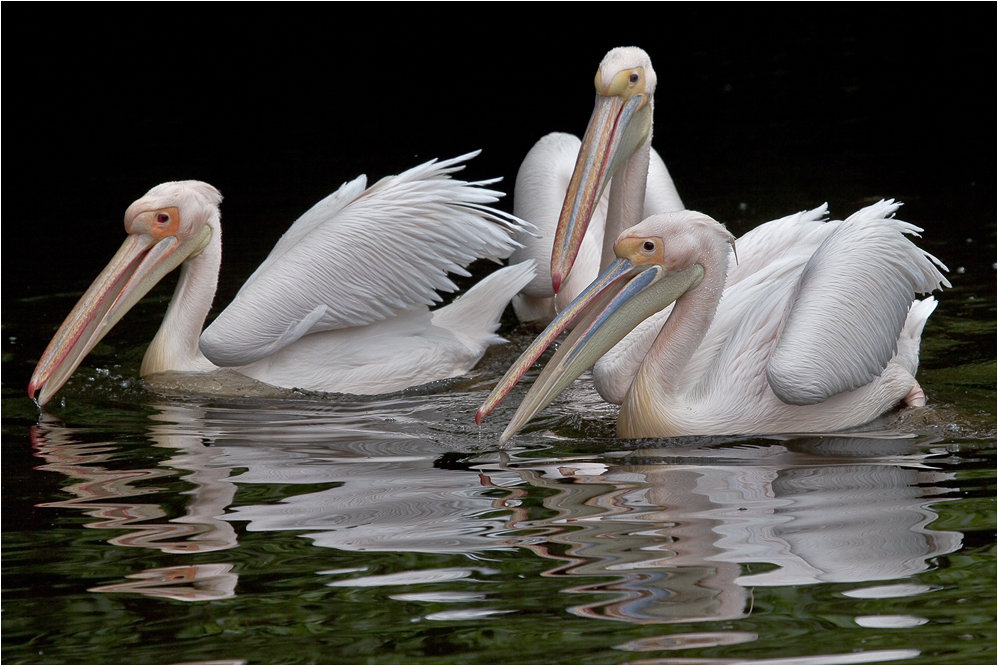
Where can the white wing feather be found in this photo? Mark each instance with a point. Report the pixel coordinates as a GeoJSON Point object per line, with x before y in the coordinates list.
{"type": "Point", "coordinates": [358, 257]}
{"type": "Point", "coordinates": [796, 312]}
{"type": "Point", "coordinates": [766, 254]}
{"type": "Point", "coordinates": [842, 322]}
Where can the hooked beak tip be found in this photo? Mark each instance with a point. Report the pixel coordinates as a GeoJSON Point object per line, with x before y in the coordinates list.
{"type": "Point", "coordinates": [36, 388]}
{"type": "Point", "coordinates": [35, 393]}
{"type": "Point", "coordinates": [478, 417]}
{"type": "Point", "coordinates": [556, 282]}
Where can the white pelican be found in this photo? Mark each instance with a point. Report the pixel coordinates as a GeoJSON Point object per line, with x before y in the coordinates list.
{"type": "Point", "coordinates": [561, 187]}
{"type": "Point", "coordinates": [615, 151]}
{"type": "Point", "coordinates": [339, 305]}
{"type": "Point", "coordinates": [823, 337]}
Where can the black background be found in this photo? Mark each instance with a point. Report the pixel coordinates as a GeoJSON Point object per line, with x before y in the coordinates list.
{"type": "Point", "coordinates": [761, 110]}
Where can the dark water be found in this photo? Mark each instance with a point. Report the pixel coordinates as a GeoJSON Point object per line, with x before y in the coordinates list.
{"type": "Point", "coordinates": [143, 525]}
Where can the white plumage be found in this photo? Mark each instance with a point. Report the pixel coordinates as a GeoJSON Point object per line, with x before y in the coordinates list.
{"type": "Point", "coordinates": [571, 183]}
{"type": "Point", "coordinates": [340, 304]}
{"type": "Point", "coordinates": [819, 333]}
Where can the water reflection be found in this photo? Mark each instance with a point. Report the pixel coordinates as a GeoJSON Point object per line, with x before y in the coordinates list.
{"type": "Point", "coordinates": [656, 534]}
{"type": "Point", "coordinates": [681, 527]}
{"type": "Point", "coordinates": [197, 582]}
{"type": "Point", "coordinates": [864, 657]}
{"type": "Point", "coordinates": [101, 490]}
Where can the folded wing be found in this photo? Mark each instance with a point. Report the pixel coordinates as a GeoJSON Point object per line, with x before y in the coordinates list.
{"type": "Point", "coordinates": [841, 325]}
{"type": "Point", "coordinates": [361, 256]}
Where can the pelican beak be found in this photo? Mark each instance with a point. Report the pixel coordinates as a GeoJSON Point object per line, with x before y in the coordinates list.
{"type": "Point", "coordinates": [617, 128]}
{"type": "Point", "coordinates": [623, 296]}
{"type": "Point", "coordinates": [141, 262]}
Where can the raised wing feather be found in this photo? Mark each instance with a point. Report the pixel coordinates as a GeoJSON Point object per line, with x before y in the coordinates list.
{"type": "Point", "coordinates": [360, 256]}
{"type": "Point", "coordinates": [766, 254]}
{"type": "Point", "coordinates": [841, 324]}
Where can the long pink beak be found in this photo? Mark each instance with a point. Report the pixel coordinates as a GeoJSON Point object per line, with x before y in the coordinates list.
{"type": "Point", "coordinates": [622, 296]}
{"type": "Point", "coordinates": [615, 131]}
{"type": "Point", "coordinates": [140, 262]}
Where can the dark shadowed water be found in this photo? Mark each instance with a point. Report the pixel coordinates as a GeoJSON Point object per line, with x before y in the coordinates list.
{"type": "Point", "coordinates": [143, 524]}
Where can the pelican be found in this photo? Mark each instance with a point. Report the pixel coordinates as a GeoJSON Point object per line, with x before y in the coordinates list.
{"type": "Point", "coordinates": [561, 187]}
{"type": "Point", "coordinates": [340, 304]}
{"type": "Point", "coordinates": [824, 336]}
{"type": "Point", "coordinates": [616, 151]}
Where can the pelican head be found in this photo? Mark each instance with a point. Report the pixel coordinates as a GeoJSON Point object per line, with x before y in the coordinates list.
{"type": "Point", "coordinates": [170, 224]}
{"type": "Point", "coordinates": [657, 262]}
{"type": "Point", "coordinates": [621, 123]}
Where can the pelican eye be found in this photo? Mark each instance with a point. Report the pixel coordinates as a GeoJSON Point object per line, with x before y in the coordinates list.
{"type": "Point", "coordinates": [648, 246]}
{"type": "Point", "coordinates": [163, 218]}
{"type": "Point", "coordinates": [634, 77]}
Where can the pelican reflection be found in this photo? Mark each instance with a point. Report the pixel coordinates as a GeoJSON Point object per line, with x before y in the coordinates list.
{"type": "Point", "coordinates": [654, 535]}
